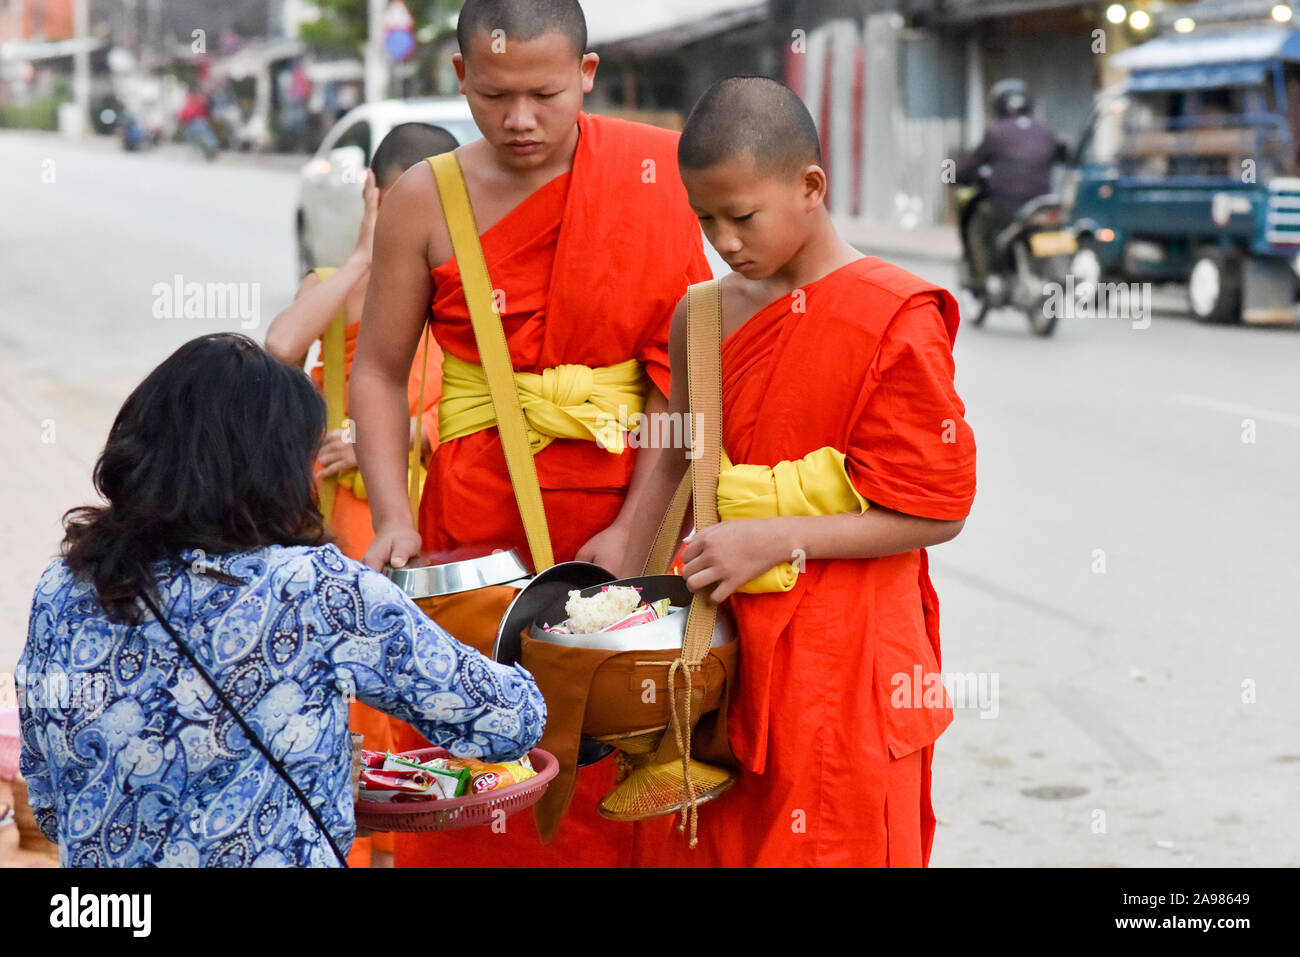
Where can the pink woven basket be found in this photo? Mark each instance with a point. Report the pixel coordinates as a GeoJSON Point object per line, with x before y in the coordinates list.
{"type": "Point", "coordinates": [10, 744]}
{"type": "Point", "coordinates": [469, 811]}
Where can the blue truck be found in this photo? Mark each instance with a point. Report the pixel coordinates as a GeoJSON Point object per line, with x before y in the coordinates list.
{"type": "Point", "coordinates": [1189, 172]}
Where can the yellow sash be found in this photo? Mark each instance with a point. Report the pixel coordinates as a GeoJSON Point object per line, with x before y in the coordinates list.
{"type": "Point", "coordinates": [817, 484]}
{"type": "Point", "coordinates": [333, 362]}
{"type": "Point", "coordinates": [565, 402]}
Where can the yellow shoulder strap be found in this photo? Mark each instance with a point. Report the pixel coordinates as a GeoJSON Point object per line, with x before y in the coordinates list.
{"type": "Point", "coordinates": [413, 467]}
{"type": "Point", "coordinates": [332, 359]}
{"type": "Point", "coordinates": [704, 375]}
{"type": "Point", "coordinates": [494, 354]}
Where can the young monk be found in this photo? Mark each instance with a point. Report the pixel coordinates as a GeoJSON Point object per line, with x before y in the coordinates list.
{"type": "Point", "coordinates": [838, 374]}
{"type": "Point", "coordinates": [289, 337]}
{"type": "Point", "coordinates": [589, 242]}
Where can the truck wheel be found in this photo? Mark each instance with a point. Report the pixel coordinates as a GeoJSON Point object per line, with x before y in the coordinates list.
{"type": "Point", "coordinates": [1214, 286]}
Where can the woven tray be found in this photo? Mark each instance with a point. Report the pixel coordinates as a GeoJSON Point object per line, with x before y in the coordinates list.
{"type": "Point", "coordinates": [469, 811]}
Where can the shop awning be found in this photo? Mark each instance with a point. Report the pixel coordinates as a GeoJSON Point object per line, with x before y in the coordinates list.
{"type": "Point", "coordinates": [1199, 77]}
{"type": "Point", "coordinates": [957, 11]}
{"type": "Point", "coordinates": [1209, 47]}
{"type": "Point", "coordinates": [667, 24]}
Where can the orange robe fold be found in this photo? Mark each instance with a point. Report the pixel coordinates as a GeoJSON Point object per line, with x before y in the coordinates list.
{"type": "Point", "coordinates": [835, 763]}
{"type": "Point", "coordinates": [588, 269]}
{"type": "Point", "coordinates": [350, 521]}
{"type": "Point", "coordinates": [353, 533]}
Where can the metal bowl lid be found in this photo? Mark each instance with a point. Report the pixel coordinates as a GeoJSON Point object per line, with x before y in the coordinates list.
{"type": "Point", "coordinates": [425, 578]}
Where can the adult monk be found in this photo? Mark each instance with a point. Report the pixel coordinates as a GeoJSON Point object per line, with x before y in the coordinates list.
{"type": "Point", "coordinates": [846, 456]}
{"type": "Point", "coordinates": [589, 243]}
{"type": "Point", "coordinates": [320, 298]}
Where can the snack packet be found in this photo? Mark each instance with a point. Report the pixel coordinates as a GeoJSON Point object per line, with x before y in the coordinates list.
{"type": "Point", "coordinates": [494, 776]}
{"type": "Point", "coordinates": [452, 782]}
{"type": "Point", "coordinates": [379, 785]}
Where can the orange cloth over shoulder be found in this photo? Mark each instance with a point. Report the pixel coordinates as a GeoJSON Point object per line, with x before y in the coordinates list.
{"type": "Point", "coordinates": [350, 525]}
{"type": "Point", "coordinates": [835, 758]}
{"type": "Point", "coordinates": [591, 266]}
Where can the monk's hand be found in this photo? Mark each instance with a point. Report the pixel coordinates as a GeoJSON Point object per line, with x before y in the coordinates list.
{"type": "Point", "coordinates": [608, 548]}
{"type": "Point", "coordinates": [337, 454]}
{"type": "Point", "coordinates": [370, 214]}
{"type": "Point", "coordinates": [393, 545]}
{"type": "Point", "coordinates": [730, 554]}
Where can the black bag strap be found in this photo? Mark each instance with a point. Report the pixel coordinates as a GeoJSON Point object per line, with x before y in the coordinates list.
{"type": "Point", "coordinates": [248, 732]}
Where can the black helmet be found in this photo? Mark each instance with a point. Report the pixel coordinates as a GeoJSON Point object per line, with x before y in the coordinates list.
{"type": "Point", "coordinates": [1010, 98]}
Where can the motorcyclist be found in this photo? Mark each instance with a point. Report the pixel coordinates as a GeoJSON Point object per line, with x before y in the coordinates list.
{"type": "Point", "coordinates": [193, 119]}
{"type": "Point", "coordinates": [1013, 164]}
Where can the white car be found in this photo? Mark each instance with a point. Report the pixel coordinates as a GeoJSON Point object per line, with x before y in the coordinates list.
{"type": "Point", "coordinates": [329, 205]}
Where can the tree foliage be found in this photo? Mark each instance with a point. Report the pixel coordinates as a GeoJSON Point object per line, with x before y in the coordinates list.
{"type": "Point", "coordinates": [342, 23]}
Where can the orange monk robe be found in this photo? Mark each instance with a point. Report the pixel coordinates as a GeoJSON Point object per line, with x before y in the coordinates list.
{"type": "Point", "coordinates": [353, 533]}
{"type": "Point", "coordinates": [350, 521]}
{"type": "Point", "coordinates": [835, 763]}
{"type": "Point", "coordinates": [591, 266]}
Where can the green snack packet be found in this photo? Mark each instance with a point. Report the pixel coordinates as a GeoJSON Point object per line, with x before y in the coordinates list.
{"type": "Point", "coordinates": [662, 607]}
{"type": "Point", "coordinates": [451, 783]}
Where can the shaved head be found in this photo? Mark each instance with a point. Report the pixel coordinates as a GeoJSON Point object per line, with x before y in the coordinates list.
{"type": "Point", "coordinates": [751, 115]}
{"type": "Point", "coordinates": [407, 144]}
{"type": "Point", "coordinates": [522, 20]}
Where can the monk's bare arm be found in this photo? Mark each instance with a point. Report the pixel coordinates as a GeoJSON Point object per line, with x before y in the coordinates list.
{"type": "Point", "coordinates": [397, 307]}
{"type": "Point", "coordinates": [296, 327]}
{"type": "Point", "coordinates": [664, 473]}
{"type": "Point", "coordinates": [305, 320]}
{"type": "Point", "coordinates": [729, 554]}
{"type": "Point", "coordinates": [871, 534]}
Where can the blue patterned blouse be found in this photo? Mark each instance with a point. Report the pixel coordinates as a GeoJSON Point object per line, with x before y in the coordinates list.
{"type": "Point", "coordinates": [132, 760]}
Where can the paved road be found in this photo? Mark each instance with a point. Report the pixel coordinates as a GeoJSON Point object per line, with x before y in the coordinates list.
{"type": "Point", "coordinates": [1124, 587]}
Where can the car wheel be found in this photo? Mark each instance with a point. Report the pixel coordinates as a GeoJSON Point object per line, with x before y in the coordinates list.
{"type": "Point", "coordinates": [306, 261]}
{"type": "Point", "coordinates": [1214, 286]}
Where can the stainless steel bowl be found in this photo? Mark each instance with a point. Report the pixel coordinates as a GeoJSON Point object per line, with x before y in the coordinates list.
{"type": "Point", "coordinates": [450, 578]}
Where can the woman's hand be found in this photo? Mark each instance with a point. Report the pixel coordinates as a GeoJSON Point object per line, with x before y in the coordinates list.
{"type": "Point", "coordinates": [337, 453]}
{"type": "Point", "coordinates": [730, 554]}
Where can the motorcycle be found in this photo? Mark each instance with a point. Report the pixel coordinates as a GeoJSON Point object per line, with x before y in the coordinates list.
{"type": "Point", "coordinates": [136, 134]}
{"type": "Point", "coordinates": [1028, 267]}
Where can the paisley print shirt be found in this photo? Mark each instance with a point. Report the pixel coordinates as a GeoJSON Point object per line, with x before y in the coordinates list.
{"type": "Point", "coordinates": [132, 760]}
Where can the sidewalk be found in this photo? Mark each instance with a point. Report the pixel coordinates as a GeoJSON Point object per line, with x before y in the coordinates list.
{"type": "Point", "coordinates": [40, 480]}
{"type": "Point", "coordinates": [936, 243]}
{"type": "Point", "coordinates": [180, 152]}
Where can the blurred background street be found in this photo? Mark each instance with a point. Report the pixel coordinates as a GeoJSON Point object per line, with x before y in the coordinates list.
{"type": "Point", "coordinates": [1125, 686]}
{"type": "Point", "coordinates": [1123, 594]}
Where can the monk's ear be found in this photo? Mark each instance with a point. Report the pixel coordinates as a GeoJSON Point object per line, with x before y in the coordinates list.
{"type": "Point", "coordinates": [589, 63]}
{"type": "Point", "coordinates": [458, 62]}
{"type": "Point", "coordinates": [814, 186]}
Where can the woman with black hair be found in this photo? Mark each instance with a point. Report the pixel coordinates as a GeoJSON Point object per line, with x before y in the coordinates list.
{"type": "Point", "coordinates": [189, 661]}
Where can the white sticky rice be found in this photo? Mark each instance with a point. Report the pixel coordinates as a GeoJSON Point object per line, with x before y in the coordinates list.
{"type": "Point", "coordinates": [589, 615]}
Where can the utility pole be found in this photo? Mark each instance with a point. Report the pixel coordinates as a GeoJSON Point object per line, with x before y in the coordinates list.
{"type": "Point", "coordinates": [81, 62]}
{"type": "Point", "coordinates": [376, 57]}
